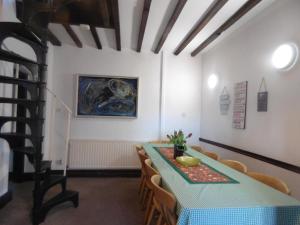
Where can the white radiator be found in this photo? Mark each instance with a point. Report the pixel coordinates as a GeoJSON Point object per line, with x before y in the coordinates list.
{"type": "Point", "coordinates": [98, 154]}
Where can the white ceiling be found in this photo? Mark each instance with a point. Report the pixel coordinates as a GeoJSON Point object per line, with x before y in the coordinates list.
{"type": "Point", "coordinates": [160, 12]}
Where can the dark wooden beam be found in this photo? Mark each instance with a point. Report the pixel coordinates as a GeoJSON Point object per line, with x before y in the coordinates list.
{"type": "Point", "coordinates": [204, 20]}
{"type": "Point", "coordinates": [104, 12]}
{"type": "Point", "coordinates": [96, 37]}
{"type": "Point", "coordinates": [146, 9]}
{"type": "Point", "coordinates": [53, 39]}
{"type": "Point", "coordinates": [234, 18]}
{"type": "Point", "coordinates": [73, 35]}
{"type": "Point", "coordinates": [172, 20]}
{"type": "Point", "coordinates": [116, 22]}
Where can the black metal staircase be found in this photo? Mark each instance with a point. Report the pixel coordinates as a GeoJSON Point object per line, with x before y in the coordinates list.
{"type": "Point", "coordinates": [44, 179]}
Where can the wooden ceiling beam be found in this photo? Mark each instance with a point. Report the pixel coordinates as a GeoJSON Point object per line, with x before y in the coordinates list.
{"type": "Point", "coordinates": [234, 18]}
{"type": "Point", "coordinates": [146, 9]}
{"type": "Point", "coordinates": [116, 22]}
{"type": "Point", "coordinates": [53, 39]}
{"type": "Point", "coordinates": [212, 10]}
{"type": "Point", "coordinates": [96, 37]}
{"type": "Point", "coordinates": [171, 22]}
{"type": "Point", "coordinates": [104, 12]}
{"type": "Point", "coordinates": [73, 35]}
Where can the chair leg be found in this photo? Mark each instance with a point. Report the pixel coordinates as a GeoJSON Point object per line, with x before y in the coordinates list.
{"type": "Point", "coordinates": [143, 193]}
{"type": "Point", "coordinates": [141, 183]}
{"type": "Point", "coordinates": [159, 220]}
{"type": "Point", "coordinates": [142, 186]}
{"type": "Point", "coordinates": [145, 197]}
{"type": "Point", "coordinates": [151, 215]}
{"type": "Point", "coordinates": [149, 204]}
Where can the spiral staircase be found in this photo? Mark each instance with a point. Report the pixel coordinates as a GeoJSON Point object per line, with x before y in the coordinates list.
{"type": "Point", "coordinates": [30, 112]}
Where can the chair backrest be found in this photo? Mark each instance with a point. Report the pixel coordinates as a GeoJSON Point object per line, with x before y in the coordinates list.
{"type": "Point", "coordinates": [138, 147]}
{"type": "Point", "coordinates": [241, 167]}
{"type": "Point", "coordinates": [198, 148]}
{"type": "Point", "coordinates": [142, 156]}
{"type": "Point", "coordinates": [165, 200]}
{"type": "Point", "coordinates": [150, 171]}
{"type": "Point", "coordinates": [271, 181]}
{"type": "Point", "coordinates": [212, 155]}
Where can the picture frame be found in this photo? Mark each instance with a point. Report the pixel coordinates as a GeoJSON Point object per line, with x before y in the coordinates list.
{"type": "Point", "coordinates": [110, 96]}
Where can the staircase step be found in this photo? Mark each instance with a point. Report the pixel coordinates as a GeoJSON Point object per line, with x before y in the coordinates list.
{"type": "Point", "coordinates": [63, 197]}
{"type": "Point", "coordinates": [19, 135]}
{"type": "Point", "coordinates": [45, 165]}
{"type": "Point", "coordinates": [25, 150]}
{"type": "Point", "coordinates": [12, 80]}
{"type": "Point", "coordinates": [53, 180]}
{"type": "Point", "coordinates": [18, 119]}
{"type": "Point", "coordinates": [20, 101]}
{"type": "Point", "coordinates": [20, 30]}
{"type": "Point", "coordinates": [13, 57]}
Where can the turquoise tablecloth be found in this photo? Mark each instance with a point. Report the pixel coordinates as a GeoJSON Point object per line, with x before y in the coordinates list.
{"type": "Point", "coordinates": [248, 202]}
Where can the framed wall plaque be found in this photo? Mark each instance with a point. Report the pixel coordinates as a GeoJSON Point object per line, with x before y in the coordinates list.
{"type": "Point", "coordinates": [224, 102]}
{"type": "Point", "coordinates": [240, 105]}
{"type": "Point", "coordinates": [262, 97]}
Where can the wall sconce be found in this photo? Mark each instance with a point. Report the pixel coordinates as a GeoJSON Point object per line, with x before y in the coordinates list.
{"type": "Point", "coordinates": [285, 56]}
{"type": "Point", "coordinates": [212, 81]}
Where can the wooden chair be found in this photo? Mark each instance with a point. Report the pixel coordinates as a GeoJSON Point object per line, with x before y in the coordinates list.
{"type": "Point", "coordinates": [198, 148]}
{"type": "Point", "coordinates": [142, 157]}
{"type": "Point", "coordinates": [271, 181]}
{"type": "Point", "coordinates": [138, 147]}
{"type": "Point", "coordinates": [165, 204]}
{"type": "Point", "coordinates": [212, 155]}
{"type": "Point", "coordinates": [241, 167]}
{"type": "Point", "coordinates": [148, 197]}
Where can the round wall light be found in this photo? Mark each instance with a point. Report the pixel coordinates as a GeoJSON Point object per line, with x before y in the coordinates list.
{"type": "Point", "coordinates": [212, 81]}
{"type": "Point", "coordinates": [285, 56]}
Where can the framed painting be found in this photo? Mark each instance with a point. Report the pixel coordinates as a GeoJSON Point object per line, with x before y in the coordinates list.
{"type": "Point", "coordinates": [107, 96]}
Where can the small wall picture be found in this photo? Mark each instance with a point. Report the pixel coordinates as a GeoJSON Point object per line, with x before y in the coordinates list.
{"type": "Point", "coordinates": [240, 105]}
{"type": "Point", "coordinates": [262, 97]}
{"type": "Point", "coordinates": [262, 101]}
{"type": "Point", "coordinates": [106, 96]}
{"type": "Point", "coordinates": [224, 102]}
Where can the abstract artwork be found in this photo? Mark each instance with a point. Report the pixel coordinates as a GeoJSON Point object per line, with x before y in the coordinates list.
{"type": "Point", "coordinates": [240, 105]}
{"type": "Point", "coordinates": [107, 96]}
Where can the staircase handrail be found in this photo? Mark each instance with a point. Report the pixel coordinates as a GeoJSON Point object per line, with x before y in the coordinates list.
{"type": "Point", "coordinates": [68, 127]}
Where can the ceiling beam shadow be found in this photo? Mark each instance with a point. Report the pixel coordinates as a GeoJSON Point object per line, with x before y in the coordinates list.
{"type": "Point", "coordinates": [212, 10]}
{"type": "Point", "coordinates": [73, 35]}
{"type": "Point", "coordinates": [146, 9]}
{"type": "Point", "coordinates": [116, 22]}
{"type": "Point", "coordinates": [96, 37]}
{"type": "Point", "coordinates": [172, 21]}
{"type": "Point", "coordinates": [234, 18]}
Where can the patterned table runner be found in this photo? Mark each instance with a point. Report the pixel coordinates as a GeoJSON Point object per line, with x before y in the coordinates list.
{"type": "Point", "coordinates": [201, 173]}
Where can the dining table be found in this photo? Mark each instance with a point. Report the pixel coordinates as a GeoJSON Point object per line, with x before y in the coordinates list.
{"type": "Point", "coordinates": [212, 193]}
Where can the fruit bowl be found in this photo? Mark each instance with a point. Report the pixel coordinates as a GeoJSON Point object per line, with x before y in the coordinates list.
{"type": "Point", "coordinates": [188, 161]}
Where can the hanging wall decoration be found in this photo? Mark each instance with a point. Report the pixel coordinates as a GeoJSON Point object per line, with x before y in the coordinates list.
{"type": "Point", "coordinates": [107, 96]}
{"type": "Point", "coordinates": [240, 105]}
{"type": "Point", "coordinates": [224, 102]}
{"type": "Point", "coordinates": [262, 97]}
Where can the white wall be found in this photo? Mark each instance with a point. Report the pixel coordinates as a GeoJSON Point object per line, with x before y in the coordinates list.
{"type": "Point", "coordinates": [181, 95]}
{"type": "Point", "coordinates": [246, 55]}
{"type": "Point", "coordinates": [179, 108]}
{"type": "Point", "coordinates": [69, 61]}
